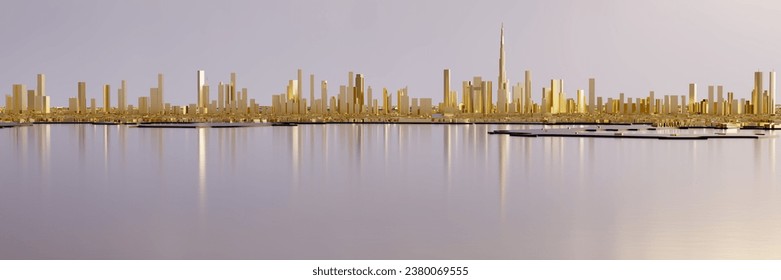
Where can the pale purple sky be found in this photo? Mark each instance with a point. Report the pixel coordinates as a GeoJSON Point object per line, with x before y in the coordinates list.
{"type": "Point", "coordinates": [629, 46]}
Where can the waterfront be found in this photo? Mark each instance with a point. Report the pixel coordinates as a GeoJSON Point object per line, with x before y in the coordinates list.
{"type": "Point", "coordinates": [350, 191]}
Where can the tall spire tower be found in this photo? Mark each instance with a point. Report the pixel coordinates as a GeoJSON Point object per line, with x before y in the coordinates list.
{"type": "Point", "coordinates": [502, 72]}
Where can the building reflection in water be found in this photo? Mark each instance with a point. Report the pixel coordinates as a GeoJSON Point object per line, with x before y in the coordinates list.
{"type": "Point", "coordinates": [324, 148]}
{"type": "Point", "coordinates": [232, 137]}
{"type": "Point", "coordinates": [773, 160]}
{"type": "Point", "coordinates": [758, 164]}
{"type": "Point", "coordinates": [528, 153]}
{"type": "Point", "coordinates": [558, 145]}
{"type": "Point", "coordinates": [385, 142]}
{"type": "Point", "coordinates": [581, 160]}
{"type": "Point", "coordinates": [21, 144]}
{"type": "Point", "coordinates": [402, 137]}
{"type": "Point", "coordinates": [581, 153]}
{"type": "Point", "coordinates": [471, 137]}
{"type": "Point", "coordinates": [44, 149]}
{"type": "Point", "coordinates": [503, 154]}
{"type": "Point", "coordinates": [295, 149]}
{"type": "Point", "coordinates": [359, 157]}
{"type": "Point", "coordinates": [762, 154]}
{"type": "Point", "coordinates": [483, 139]}
{"type": "Point", "coordinates": [592, 154]}
{"type": "Point", "coordinates": [694, 152]}
{"type": "Point", "coordinates": [448, 156]}
{"type": "Point", "coordinates": [548, 152]}
{"type": "Point", "coordinates": [311, 133]}
{"type": "Point", "coordinates": [82, 142]}
{"type": "Point", "coordinates": [202, 137]}
{"type": "Point", "coordinates": [122, 143]}
{"type": "Point", "coordinates": [105, 149]}
{"type": "Point", "coordinates": [221, 145]}
{"type": "Point", "coordinates": [158, 134]}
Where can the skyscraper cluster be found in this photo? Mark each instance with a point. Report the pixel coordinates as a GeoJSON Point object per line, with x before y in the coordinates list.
{"type": "Point", "coordinates": [23, 101]}
{"type": "Point", "coordinates": [477, 98]}
{"type": "Point", "coordinates": [230, 100]}
{"type": "Point", "coordinates": [356, 99]}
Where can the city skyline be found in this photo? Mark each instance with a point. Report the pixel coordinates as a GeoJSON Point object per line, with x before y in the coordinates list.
{"type": "Point", "coordinates": [356, 99]}
{"type": "Point", "coordinates": [416, 138]}
{"type": "Point", "coordinates": [696, 42]}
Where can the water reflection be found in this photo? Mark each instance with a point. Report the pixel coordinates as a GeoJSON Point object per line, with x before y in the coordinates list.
{"type": "Point", "coordinates": [157, 134]}
{"type": "Point", "coordinates": [504, 153]}
{"type": "Point", "coordinates": [773, 159]}
{"type": "Point", "coordinates": [44, 150]}
{"type": "Point", "coordinates": [202, 136]}
{"type": "Point", "coordinates": [122, 143]}
{"type": "Point", "coordinates": [386, 135]}
{"type": "Point", "coordinates": [105, 149]}
{"type": "Point", "coordinates": [448, 158]}
{"type": "Point", "coordinates": [20, 142]}
{"type": "Point", "coordinates": [384, 191]}
{"type": "Point", "coordinates": [758, 161]}
{"type": "Point", "coordinates": [358, 136]}
{"type": "Point", "coordinates": [581, 159]}
{"type": "Point", "coordinates": [82, 142]}
{"type": "Point", "coordinates": [295, 149]}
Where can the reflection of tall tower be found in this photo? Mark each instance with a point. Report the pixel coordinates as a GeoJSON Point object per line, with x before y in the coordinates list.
{"type": "Point", "coordinates": [502, 72]}
{"type": "Point", "coordinates": [202, 136]}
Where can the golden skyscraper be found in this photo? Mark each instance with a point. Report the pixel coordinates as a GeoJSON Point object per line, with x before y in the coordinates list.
{"type": "Point", "coordinates": [502, 82]}
{"type": "Point", "coordinates": [300, 84]}
{"type": "Point", "coordinates": [30, 100]}
{"type": "Point", "coordinates": [693, 98]}
{"type": "Point", "coordinates": [527, 91]}
{"type": "Point", "coordinates": [201, 79]}
{"type": "Point", "coordinates": [772, 92]}
{"type": "Point", "coordinates": [323, 96]}
{"type": "Point", "coordinates": [40, 94]}
{"type": "Point", "coordinates": [106, 98]}
{"type": "Point", "coordinates": [82, 98]}
{"type": "Point", "coordinates": [19, 91]}
{"type": "Point", "coordinates": [446, 102]}
{"type": "Point", "coordinates": [160, 102]}
{"type": "Point", "coordinates": [591, 95]}
{"type": "Point", "coordinates": [231, 92]}
{"type": "Point", "coordinates": [122, 97]}
{"type": "Point", "coordinates": [312, 92]}
{"type": "Point", "coordinates": [758, 93]}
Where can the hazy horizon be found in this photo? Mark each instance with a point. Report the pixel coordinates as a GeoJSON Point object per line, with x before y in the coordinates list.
{"type": "Point", "coordinates": [628, 46]}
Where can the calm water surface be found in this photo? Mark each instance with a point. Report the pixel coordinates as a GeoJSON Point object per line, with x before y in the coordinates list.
{"type": "Point", "coordinates": [381, 192]}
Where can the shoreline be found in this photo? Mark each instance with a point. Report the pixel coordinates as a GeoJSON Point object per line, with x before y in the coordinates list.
{"type": "Point", "coordinates": [219, 124]}
{"type": "Point", "coordinates": [683, 121]}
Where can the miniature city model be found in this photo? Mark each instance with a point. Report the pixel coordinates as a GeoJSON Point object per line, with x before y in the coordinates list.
{"type": "Point", "coordinates": [356, 102]}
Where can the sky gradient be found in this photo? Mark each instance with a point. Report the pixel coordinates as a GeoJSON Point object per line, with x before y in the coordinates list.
{"type": "Point", "coordinates": [628, 46]}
